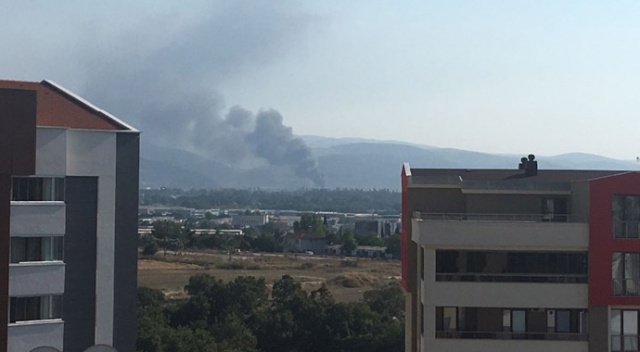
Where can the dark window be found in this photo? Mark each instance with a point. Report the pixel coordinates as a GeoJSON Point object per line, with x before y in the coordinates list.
{"type": "Point", "coordinates": [35, 308]}
{"type": "Point", "coordinates": [36, 249]}
{"type": "Point", "coordinates": [625, 215]}
{"type": "Point", "coordinates": [560, 267]}
{"type": "Point", "coordinates": [37, 189]}
{"type": "Point", "coordinates": [507, 323]}
{"type": "Point", "coordinates": [554, 209]}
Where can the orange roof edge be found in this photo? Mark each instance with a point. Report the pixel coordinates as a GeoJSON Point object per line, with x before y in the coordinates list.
{"type": "Point", "coordinates": [87, 105]}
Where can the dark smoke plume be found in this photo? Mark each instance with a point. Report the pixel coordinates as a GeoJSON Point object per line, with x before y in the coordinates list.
{"type": "Point", "coordinates": [167, 84]}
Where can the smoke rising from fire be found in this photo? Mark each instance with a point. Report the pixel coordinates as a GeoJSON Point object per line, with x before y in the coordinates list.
{"type": "Point", "coordinates": [167, 83]}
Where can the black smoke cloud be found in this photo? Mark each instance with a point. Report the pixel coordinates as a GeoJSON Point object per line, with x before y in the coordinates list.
{"type": "Point", "coordinates": [167, 83]}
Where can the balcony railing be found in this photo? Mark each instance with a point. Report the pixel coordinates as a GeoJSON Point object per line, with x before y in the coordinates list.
{"type": "Point", "coordinates": [520, 278]}
{"type": "Point", "coordinates": [555, 336]}
{"type": "Point", "coordinates": [495, 217]}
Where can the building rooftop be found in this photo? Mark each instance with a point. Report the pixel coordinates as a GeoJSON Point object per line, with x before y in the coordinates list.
{"type": "Point", "coordinates": [58, 107]}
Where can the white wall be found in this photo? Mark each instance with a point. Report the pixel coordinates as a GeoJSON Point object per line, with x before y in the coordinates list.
{"type": "Point", "coordinates": [469, 234]}
{"type": "Point", "coordinates": [36, 219]}
{"type": "Point", "coordinates": [24, 337]}
{"type": "Point", "coordinates": [93, 153]}
{"type": "Point", "coordinates": [36, 279]}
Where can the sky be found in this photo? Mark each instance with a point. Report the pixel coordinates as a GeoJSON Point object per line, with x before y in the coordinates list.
{"type": "Point", "coordinates": [543, 77]}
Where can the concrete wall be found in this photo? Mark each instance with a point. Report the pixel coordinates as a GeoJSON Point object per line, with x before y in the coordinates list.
{"type": "Point", "coordinates": [510, 295]}
{"type": "Point", "coordinates": [36, 219]}
{"type": "Point", "coordinates": [470, 234]}
{"type": "Point", "coordinates": [579, 203]}
{"type": "Point", "coordinates": [93, 153]}
{"type": "Point", "coordinates": [51, 157]}
{"type": "Point", "coordinates": [24, 337]}
{"type": "Point", "coordinates": [599, 329]}
{"type": "Point", "coordinates": [36, 279]}
{"type": "Point", "coordinates": [454, 345]}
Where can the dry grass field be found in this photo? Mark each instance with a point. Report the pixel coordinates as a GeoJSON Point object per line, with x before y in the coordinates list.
{"type": "Point", "coordinates": [347, 279]}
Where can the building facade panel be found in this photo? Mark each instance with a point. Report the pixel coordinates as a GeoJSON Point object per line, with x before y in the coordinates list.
{"type": "Point", "coordinates": [506, 346]}
{"type": "Point", "coordinates": [126, 242]}
{"type": "Point", "coordinates": [17, 157]}
{"type": "Point", "coordinates": [602, 242]}
{"type": "Point", "coordinates": [37, 278]}
{"type": "Point", "coordinates": [492, 294]}
{"type": "Point", "coordinates": [80, 244]}
{"type": "Point", "coordinates": [24, 337]}
{"type": "Point", "coordinates": [93, 153]}
{"type": "Point", "coordinates": [51, 151]}
{"type": "Point", "coordinates": [501, 234]}
{"type": "Point", "coordinates": [33, 219]}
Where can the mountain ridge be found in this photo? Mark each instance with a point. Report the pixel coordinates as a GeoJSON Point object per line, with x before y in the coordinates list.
{"type": "Point", "coordinates": [343, 163]}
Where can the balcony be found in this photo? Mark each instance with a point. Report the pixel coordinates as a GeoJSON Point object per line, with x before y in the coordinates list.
{"type": "Point", "coordinates": [524, 295]}
{"type": "Point", "coordinates": [29, 335]}
{"type": "Point", "coordinates": [37, 218]}
{"type": "Point", "coordinates": [500, 231]}
{"type": "Point", "coordinates": [36, 278]}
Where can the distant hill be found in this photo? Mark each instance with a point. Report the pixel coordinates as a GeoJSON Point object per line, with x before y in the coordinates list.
{"type": "Point", "coordinates": [344, 163]}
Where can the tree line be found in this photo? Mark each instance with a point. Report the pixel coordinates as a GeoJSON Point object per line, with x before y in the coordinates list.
{"type": "Point", "coordinates": [381, 201]}
{"type": "Point", "coordinates": [243, 315]}
{"type": "Point", "coordinates": [174, 236]}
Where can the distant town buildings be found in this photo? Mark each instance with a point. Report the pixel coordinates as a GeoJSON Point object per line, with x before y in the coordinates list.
{"type": "Point", "coordinates": [250, 220]}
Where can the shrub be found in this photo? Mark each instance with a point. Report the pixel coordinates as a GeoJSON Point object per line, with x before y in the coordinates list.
{"type": "Point", "coordinates": [150, 248]}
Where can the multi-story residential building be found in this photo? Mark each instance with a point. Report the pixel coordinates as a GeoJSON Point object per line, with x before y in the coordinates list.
{"type": "Point", "coordinates": [521, 260]}
{"type": "Point", "coordinates": [68, 222]}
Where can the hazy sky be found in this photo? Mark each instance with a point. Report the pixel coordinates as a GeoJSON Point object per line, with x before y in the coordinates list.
{"type": "Point", "coordinates": [546, 77]}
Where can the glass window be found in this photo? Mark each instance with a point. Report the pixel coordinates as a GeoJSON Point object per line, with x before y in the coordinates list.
{"type": "Point", "coordinates": [35, 308]}
{"type": "Point", "coordinates": [625, 274]}
{"type": "Point", "coordinates": [450, 318]}
{"type": "Point", "coordinates": [36, 249]}
{"type": "Point", "coordinates": [502, 266]}
{"type": "Point", "coordinates": [38, 189]}
{"type": "Point", "coordinates": [631, 275]}
{"type": "Point", "coordinates": [625, 216]}
{"type": "Point", "coordinates": [563, 321]}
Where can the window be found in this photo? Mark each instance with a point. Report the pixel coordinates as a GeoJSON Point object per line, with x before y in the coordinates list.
{"type": "Point", "coordinates": [625, 274]}
{"type": "Point", "coordinates": [548, 267]}
{"type": "Point", "coordinates": [623, 327]}
{"type": "Point", "coordinates": [37, 189]}
{"type": "Point", "coordinates": [511, 323]}
{"type": "Point", "coordinates": [554, 209]}
{"type": "Point", "coordinates": [35, 308]}
{"type": "Point", "coordinates": [36, 249]}
{"type": "Point", "coordinates": [625, 216]}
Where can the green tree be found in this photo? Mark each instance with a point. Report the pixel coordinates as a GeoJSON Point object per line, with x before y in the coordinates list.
{"type": "Point", "coordinates": [369, 239]}
{"type": "Point", "coordinates": [311, 223]}
{"type": "Point", "coordinates": [167, 229]}
{"type": "Point", "coordinates": [394, 245]}
{"type": "Point", "coordinates": [349, 244]}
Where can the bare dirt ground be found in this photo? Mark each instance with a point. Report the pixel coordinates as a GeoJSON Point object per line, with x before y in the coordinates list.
{"type": "Point", "coordinates": [346, 278]}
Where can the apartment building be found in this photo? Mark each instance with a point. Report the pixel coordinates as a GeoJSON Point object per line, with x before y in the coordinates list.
{"type": "Point", "coordinates": [68, 223]}
{"type": "Point", "coordinates": [521, 260]}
